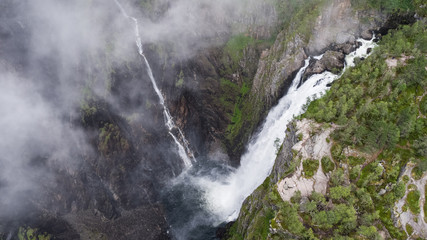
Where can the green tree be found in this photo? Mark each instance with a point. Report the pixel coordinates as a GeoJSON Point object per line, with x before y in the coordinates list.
{"type": "Point", "coordinates": [339, 192]}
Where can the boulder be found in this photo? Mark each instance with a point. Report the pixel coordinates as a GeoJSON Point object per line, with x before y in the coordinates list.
{"type": "Point", "coordinates": [367, 35]}
{"type": "Point", "coordinates": [345, 48]}
{"type": "Point", "coordinates": [332, 61]}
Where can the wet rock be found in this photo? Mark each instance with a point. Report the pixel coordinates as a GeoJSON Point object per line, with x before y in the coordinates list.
{"type": "Point", "coordinates": [345, 48]}
{"type": "Point", "coordinates": [332, 61]}
{"type": "Point", "coordinates": [395, 20]}
{"type": "Point", "coordinates": [367, 35]}
{"type": "Point", "coordinates": [285, 156]}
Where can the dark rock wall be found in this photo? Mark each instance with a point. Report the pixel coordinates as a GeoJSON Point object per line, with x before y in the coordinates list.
{"type": "Point", "coordinates": [107, 185]}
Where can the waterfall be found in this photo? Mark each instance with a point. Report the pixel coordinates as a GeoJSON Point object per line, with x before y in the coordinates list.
{"type": "Point", "coordinates": [224, 198]}
{"type": "Point", "coordinates": [184, 150]}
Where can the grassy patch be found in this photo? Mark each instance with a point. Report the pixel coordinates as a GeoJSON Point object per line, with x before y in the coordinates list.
{"type": "Point", "coordinates": [233, 234]}
{"type": "Point", "coordinates": [409, 229]}
{"type": "Point", "coordinates": [310, 167]}
{"type": "Point", "coordinates": [413, 201]}
{"type": "Point", "coordinates": [262, 224]}
{"type": "Point", "coordinates": [236, 118]}
{"type": "Point", "coordinates": [236, 44]}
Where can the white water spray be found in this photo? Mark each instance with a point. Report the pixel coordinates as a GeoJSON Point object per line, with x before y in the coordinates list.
{"type": "Point", "coordinates": [361, 52]}
{"type": "Point", "coordinates": [184, 150]}
{"type": "Point", "coordinates": [225, 197]}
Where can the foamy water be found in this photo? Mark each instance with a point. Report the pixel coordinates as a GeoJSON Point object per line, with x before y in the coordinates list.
{"type": "Point", "coordinates": [224, 198]}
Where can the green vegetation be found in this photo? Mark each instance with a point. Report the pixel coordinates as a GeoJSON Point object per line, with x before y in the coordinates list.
{"type": "Point", "coordinates": [339, 192]}
{"type": "Point", "coordinates": [425, 203]}
{"type": "Point", "coordinates": [87, 107]}
{"type": "Point", "coordinates": [377, 105]}
{"type": "Point", "coordinates": [379, 113]}
{"type": "Point", "coordinates": [327, 164]}
{"type": "Point", "coordinates": [231, 89]}
{"type": "Point", "coordinates": [405, 179]}
{"type": "Point", "coordinates": [310, 167]}
{"type": "Point", "coordinates": [27, 233]}
{"type": "Point", "coordinates": [417, 173]}
{"type": "Point", "coordinates": [336, 152]}
{"type": "Point", "coordinates": [354, 161]}
{"type": "Point", "coordinates": [355, 172]}
{"type": "Point", "coordinates": [146, 4]}
{"type": "Point", "coordinates": [386, 5]}
{"type": "Point", "coordinates": [299, 15]}
{"type": "Point", "coordinates": [413, 201]}
{"type": "Point", "coordinates": [111, 139]}
{"type": "Point", "coordinates": [236, 45]}
{"type": "Point", "coordinates": [423, 105]}
{"type": "Point", "coordinates": [409, 229]}
{"type": "Point", "coordinates": [180, 80]}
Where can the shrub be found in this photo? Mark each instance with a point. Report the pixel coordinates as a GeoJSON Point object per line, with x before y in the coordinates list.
{"type": "Point", "coordinates": [423, 105]}
{"type": "Point", "coordinates": [353, 161]}
{"type": "Point", "coordinates": [354, 172]}
{"type": "Point", "coordinates": [405, 179]}
{"type": "Point", "coordinates": [413, 200]}
{"type": "Point", "coordinates": [339, 192]}
{"type": "Point", "coordinates": [327, 164]}
{"type": "Point", "coordinates": [310, 167]}
{"type": "Point", "coordinates": [336, 152]}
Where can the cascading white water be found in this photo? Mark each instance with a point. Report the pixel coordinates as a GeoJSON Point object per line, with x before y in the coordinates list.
{"type": "Point", "coordinates": [184, 150]}
{"type": "Point", "coordinates": [224, 198]}
{"type": "Point", "coordinates": [360, 52]}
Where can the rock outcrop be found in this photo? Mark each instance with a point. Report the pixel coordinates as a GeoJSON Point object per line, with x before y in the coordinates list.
{"type": "Point", "coordinates": [331, 61]}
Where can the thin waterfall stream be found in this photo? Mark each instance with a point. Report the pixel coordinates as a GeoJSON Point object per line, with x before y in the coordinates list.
{"type": "Point", "coordinates": [184, 150]}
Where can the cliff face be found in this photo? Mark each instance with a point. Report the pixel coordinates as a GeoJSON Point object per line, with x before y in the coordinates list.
{"type": "Point", "coordinates": [263, 71]}
{"type": "Point", "coordinates": [90, 155]}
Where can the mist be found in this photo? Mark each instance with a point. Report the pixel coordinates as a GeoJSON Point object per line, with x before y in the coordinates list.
{"type": "Point", "coordinates": [56, 56]}
{"type": "Point", "coordinates": [189, 25]}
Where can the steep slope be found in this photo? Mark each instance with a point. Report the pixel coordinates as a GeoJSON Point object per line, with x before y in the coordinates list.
{"type": "Point", "coordinates": [252, 71]}
{"type": "Point", "coordinates": [371, 129]}
{"type": "Point", "coordinates": [79, 157]}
